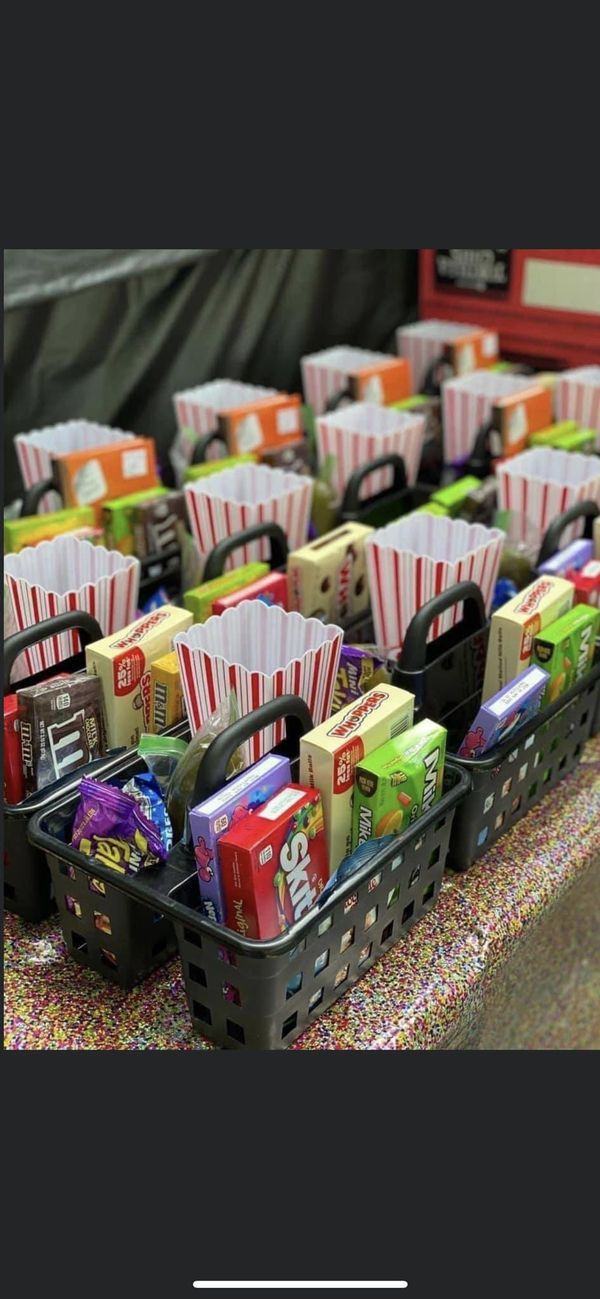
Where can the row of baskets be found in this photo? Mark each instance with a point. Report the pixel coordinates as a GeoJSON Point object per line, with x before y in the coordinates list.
{"type": "Point", "coordinates": [263, 994]}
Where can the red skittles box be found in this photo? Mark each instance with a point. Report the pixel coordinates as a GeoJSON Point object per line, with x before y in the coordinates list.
{"type": "Point", "coordinates": [274, 863]}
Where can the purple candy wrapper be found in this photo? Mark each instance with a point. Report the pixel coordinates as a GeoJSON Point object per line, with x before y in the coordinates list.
{"type": "Point", "coordinates": [358, 665]}
{"type": "Point", "coordinates": [110, 826]}
{"type": "Point", "coordinates": [573, 556]}
{"type": "Point", "coordinates": [210, 819]}
{"type": "Point", "coordinates": [503, 714]}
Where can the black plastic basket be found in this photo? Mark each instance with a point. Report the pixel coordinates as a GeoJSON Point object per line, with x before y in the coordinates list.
{"type": "Point", "coordinates": [395, 501]}
{"type": "Point", "coordinates": [262, 995]}
{"type": "Point", "coordinates": [27, 883]}
{"type": "Point", "coordinates": [446, 677]}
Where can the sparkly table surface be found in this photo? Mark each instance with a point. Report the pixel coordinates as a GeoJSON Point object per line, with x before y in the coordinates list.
{"type": "Point", "coordinates": [528, 900]}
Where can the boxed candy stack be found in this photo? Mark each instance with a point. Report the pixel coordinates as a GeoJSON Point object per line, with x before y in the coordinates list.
{"type": "Point", "coordinates": [36, 449]}
{"type": "Point", "coordinates": [122, 662]}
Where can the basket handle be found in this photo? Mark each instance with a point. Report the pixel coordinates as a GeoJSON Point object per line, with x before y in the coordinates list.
{"type": "Point", "coordinates": [479, 462]}
{"type": "Point", "coordinates": [202, 445]}
{"type": "Point", "coordinates": [344, 394]}
{"type": "Point", "coordinates": [587, 510]}
{"type": "Point", "coordinates": [71, 620]}
{"type": "Point", "coordinates": [279, 548]}
{"type": "Point", "coordinates": [433, 379]}
{"type": "Point", "coordinates": [412, 657]}
{"type": "Point", "coordinates": [33, 496]}
{"type": "Point", "coordinates": [212, 772]}
{"type": "Point", "coordinates": [350, 502]}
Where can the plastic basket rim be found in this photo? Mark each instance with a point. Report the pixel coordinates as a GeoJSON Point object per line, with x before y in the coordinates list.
{"type": "Point", "coordinates": [180, 914]}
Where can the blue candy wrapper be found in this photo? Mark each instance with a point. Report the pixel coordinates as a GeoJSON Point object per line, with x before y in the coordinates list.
{"type": "Point", "coordinates": [353, 863]}
{"type": "Point", "coordinates": [145, 788]}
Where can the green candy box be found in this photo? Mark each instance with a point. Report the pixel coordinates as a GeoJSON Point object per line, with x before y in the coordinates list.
{"type": "Point", "coordinates": [398, 782]}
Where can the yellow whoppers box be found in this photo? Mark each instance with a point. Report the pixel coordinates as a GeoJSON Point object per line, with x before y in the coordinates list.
{"type": "Point", "coordinates": [329, 754]}
{"type": "Point", "coordinates": [166, 694]}
{"type": "Point", "coordinates": [328, 578]}
{"type": "Point", "coordinates": [122, 661]}
{"type": "Point", "coordinates": [515, 624]}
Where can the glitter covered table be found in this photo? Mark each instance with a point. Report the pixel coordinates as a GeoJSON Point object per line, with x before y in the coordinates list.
{"type": "Point", "coordinates": [509, 958]}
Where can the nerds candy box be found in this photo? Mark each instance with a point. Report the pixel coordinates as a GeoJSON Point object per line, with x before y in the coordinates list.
{"type": "Point", "coordinates": [274, 864]}
{"type": "Point", "coordinates": [210, 819]}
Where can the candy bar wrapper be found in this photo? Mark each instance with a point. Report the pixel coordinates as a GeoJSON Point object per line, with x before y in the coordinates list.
{"type": "Point", "coordinates": [272, 589]}
{"type": "Point", "coordinates": [237, 498]}
{"type": "Point", "coordinates": [578, 396]}
{"type": "Point", "coordinates": [65, 574]}
{"type": "Point", "coordinates": [197, 413]}
{"type": "Point", "coordinates": [573, 556]}
{"type": "Point", "coordinates": [410, 561]}
{"type": "Point", "coordinates": [159, 524]}
{"type": "Point", "coordinates": [369, 376]}
{"type": "Point", "coordinates": [63, 727]}
{"type": "Point", "coordinates": [358, 433]}
{"type": "Point", "coordinates": [92, 477]}
{"type": "Point", "coordinates": [200, 599]}
{"type": "Point", "coordinates": [505, 712]}
{"type": "Point", "coordinates": [110, 826]}
{"type": "Point", "coordinates": [359, 670]}
{"type": "Point", "coordinates": [260, 652]}
{"type": "Point", "coordinates": [427, 340]}
{"type": "Point", "coordinates": [541, 484]}
{"type": "Point", "coordinates": [467, 404]}
{"type": "Point", "coordinates": [35, 450]}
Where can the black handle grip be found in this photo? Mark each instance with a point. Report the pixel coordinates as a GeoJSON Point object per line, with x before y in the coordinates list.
{"type": "Point", "coordinates": [33, 496]}
{"type": "Point", "coordinates": [344, 394]}
{"type": "Point", "coordinates": [485, 449]}
{"type": "Point", "coordinates": [439, 369]}
{"type": "Point", "coordinates": [212, 772]}
{"type": "Point", "coordinates": [587, 510]}
{"type": "Point", "coordinates": [202, 445]}
{"type": "Point", "coordinates": [215, 563]}
{"type": "Point", "coordinates": [412, 657]}
{"type": "Point", "coordinates": [72, 620]}
{"type": "Point", "coordinates": [351, 502]}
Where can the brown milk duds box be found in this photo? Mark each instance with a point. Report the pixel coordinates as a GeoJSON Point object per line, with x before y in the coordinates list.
{"type": "Point", "coordinates": [515, 625]}
{"type": "Point", "coordinates": [122, 662]}
{"type": "Point", "coordinates": [329, 754]}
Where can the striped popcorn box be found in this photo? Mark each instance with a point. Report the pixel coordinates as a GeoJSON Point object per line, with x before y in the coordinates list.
{"type": "Point", "coordinates": [35, 449]}
{"type": "Point", "coordinates": [233, 499]}
{"type": "Point", "coordinates": [362, 431]}
{"type": "Point", "coordinates": [261, 652]}
{"type": "Point", "coordinates": [64, 574]}
{"type": "Point", "coordinates": [468, 346]}
{"type": "Point", "coordinates": [577, 397]}
{"type": "Point", "coordinates": [540, 484]}
{"type": "Point", "coordinates": [367, 376]}
{"type": "Point", "coordinates": [467, 404]}
{"type": "Point", "coordinates": [197, 412]}
{"type": "Point", "coordinates": [410, 561]}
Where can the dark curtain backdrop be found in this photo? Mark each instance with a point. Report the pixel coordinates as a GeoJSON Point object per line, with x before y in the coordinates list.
{"type": "Point", "coordinates": [113, 339]}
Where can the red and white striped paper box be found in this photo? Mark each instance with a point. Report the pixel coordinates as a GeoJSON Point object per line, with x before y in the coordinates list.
{"type": "Point", "coordinates": [425, 342]}
{"type": "Point", "coordinates": [260, 652]}
{"type": "Point", "coordinates": [362, 431]}
{"type": "Point", "coordinates": [410, 561]}
{"type": "Point", "coordinates": [370, 376]}
{"type": "Point", "coordinates": [35, 449]}
{"type": "Point", "coordinates": [577, 396]}
{"type": "Point", "coordinates": [467, 404]}
{"type": "Point", "coordinates": [197, 411]}
{"type": "Point", "coordinates": [65, 574]}
{"type": "Point", "coordinates": [541, 484]}
{"type": "Point", "coordinates": [237, 498]}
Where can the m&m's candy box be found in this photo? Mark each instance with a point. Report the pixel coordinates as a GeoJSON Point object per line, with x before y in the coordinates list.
{"type": "Point", "coordinates": [274, 863]}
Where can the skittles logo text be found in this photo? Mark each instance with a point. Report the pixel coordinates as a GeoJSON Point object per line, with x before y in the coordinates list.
{"type": "Point", "coordinates": [294, 860]}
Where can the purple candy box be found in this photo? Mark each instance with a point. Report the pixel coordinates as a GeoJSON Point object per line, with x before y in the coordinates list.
{"type": "Point", "coordinates": [503, 714]}
{"type": "Point", "coordinates": [573, 556]}
{"type": "Point", "coordinates": [210, 819]}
